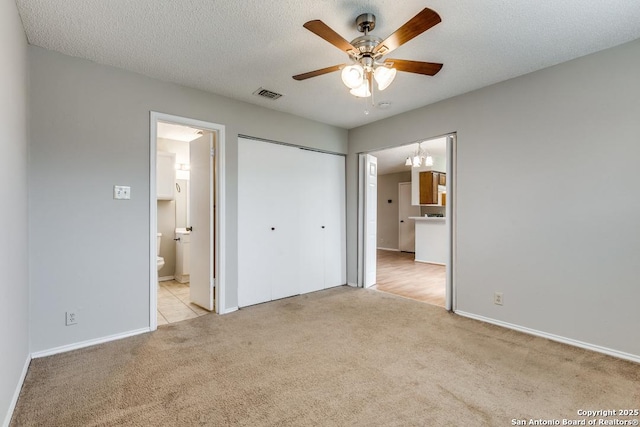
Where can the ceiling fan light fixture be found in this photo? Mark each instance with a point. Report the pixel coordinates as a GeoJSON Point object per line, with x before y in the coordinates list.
{"type": "Point", "coordinates": [353, 76]}
{"type": "Point", "coordinates": [384, 77]}
{"type": "Point", "coordinates": [408, 161]}
{"type": "Point", "coordinates": [428, 161]}
{"type": "Point", "coordinates": [361, 91]}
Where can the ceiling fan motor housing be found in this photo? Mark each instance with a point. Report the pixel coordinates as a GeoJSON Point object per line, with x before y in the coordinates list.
{"type": "Point", "coordinates": [367, 43]}
{"type": "Point", "coordinates": [366, 22]}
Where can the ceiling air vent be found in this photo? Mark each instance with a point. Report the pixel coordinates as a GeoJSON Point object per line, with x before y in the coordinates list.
{"type": "Point", "coordinates": [265, 93]}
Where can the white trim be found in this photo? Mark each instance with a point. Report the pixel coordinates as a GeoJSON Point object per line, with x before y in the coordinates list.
{"type": "Point", "coordinates": [552, 337]}
{"type": "Point", "coordinates": [88, 343]}
{"type": "Point", "coordinates": [388, 249]}
{"type": "Point", "coordinates": [153, 223]}
{"type": "Point", "coordinates": [220, 225]}
{"type": "Point", "coordinates": [353, 285]}
{"type": "Point", "coordinates": [360, 225]}
{"type": "Point", "coordinates": [231, 310]}
{"type": "Point", "coordinates": [165, 278]}
{"type": "Point", "coordinates": [430, 262]}
{"type": "Point", "coordinates": [450, 212]}
{"type": "Point", "coordinates": [16, 394]}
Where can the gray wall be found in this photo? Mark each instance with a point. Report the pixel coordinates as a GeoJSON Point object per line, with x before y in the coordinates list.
{"type": "Point", "coordinates": [547, 196]}
{"type": "Point", "coordinates": [388, 212]}
{"type": "Point", "coordinates": [89, 131]}
{"type": "Point", "coordinates": [14, 285]}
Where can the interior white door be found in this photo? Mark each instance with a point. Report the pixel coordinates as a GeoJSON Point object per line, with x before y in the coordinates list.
{"type": "Point", "coordinates": [201, 220]}
{"type": "Point", "coordinates": [406, 226]}
{"type": "Point", "coordinates": [370, 171]}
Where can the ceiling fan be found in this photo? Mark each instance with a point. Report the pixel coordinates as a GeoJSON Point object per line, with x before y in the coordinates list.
{"type": "Point", "coordinates": [367, 52]}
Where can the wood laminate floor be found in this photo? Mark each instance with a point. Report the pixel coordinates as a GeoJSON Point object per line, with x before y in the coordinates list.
{"type": "Point", "coordinates": [399, 274]}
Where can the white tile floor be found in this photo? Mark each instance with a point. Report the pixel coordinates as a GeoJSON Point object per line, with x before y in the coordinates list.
{"type": "Point", "coordinates": [174, 305]}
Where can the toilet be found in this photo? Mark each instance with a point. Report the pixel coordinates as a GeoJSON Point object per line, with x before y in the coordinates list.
{"type": "Point", "coordinates": [159, 258]}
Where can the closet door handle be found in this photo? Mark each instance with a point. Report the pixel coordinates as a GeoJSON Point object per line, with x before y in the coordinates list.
{"type": "Point", "coordinates": [323, 226]}
{"type": "Point", "coordinates": [273, 228]}
{"type": "Point", "coordinates": [402, 220]}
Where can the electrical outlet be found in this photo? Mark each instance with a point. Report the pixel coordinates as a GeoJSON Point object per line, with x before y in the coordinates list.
{"type": "Point", "coordinates": [72, 318]}
{"type": "Point", "coordinates": [497, 298]}
{"type": "Point", "coordinates": [121, 192]}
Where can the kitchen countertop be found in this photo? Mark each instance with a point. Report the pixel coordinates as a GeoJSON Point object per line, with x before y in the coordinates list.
{"type": "Point", "coordinates": [428, 218]}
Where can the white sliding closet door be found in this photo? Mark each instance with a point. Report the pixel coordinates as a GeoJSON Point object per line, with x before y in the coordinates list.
{"type": "Point", "coordinates": [267, 224]}
{"type": "Point", "coordinates": [311, 207]}
{"type": "Point", "coordinates": [291, 221]}
{"type": "Point", "coordinates": [335, 242]}
{"type": "Point", "coordinates": [322, 213]}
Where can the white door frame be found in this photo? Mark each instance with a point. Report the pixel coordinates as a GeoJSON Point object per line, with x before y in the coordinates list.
{"type": "Point", "coordinates": [450, 300]}
{"type": "Point", "coordinates": [220, 239]}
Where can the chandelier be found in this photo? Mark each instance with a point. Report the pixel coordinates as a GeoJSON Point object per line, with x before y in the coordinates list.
{"type": "Point", "coordinates": [420, 157]}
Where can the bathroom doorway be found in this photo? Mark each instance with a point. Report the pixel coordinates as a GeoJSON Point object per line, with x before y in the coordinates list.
{"type": "Point", "coordinates": [186, 205]}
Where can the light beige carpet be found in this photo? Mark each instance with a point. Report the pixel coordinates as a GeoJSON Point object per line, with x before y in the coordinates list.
{"type": "Point", "coordinates": [341, 357]}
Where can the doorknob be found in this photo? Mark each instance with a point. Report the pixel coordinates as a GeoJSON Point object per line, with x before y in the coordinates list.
{"type": "Point", "coordinates": [189, 228]}
{"type": "Point", "coordinates": [402, 220]}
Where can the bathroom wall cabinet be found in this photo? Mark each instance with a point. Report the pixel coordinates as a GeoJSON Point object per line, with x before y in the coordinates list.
{"type": "Point", "coordinates": [165, 175]}
{"type": "Point", "coordinates": [291, 221]}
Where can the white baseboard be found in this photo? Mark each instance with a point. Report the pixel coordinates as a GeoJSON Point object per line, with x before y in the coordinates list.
{"type": "Point", "coordinates": [88, 343]}
{"type": "Point", "coordinates": [552, 337]}
{"type": "Point", "coordinates": [230, 310]}
{"type": "Point", "coordinates": [182, 278]}
{"type": "Point", "coordinates": [165, 278]}
{"type": "Point", "coordinates": [16, 394]}
{"type": "Point", "coordinates": [388, 249]}
{"type": "Point", "coordinates": [353, 285]}
{"type": "Point", "coordinates": [429, 262]}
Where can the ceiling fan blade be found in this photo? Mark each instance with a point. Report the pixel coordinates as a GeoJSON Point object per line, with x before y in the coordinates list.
{"type": "Point", "coordinates": [318, 72]}
{"type": "Point", "coordinates": [322, 30]}
{"type": "Point", "coordinates": [418, 67]}
{"type": "Point", "coordinates": [417, 25]}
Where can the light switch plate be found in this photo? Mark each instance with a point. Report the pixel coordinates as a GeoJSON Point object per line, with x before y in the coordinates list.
{"type": "Point", "coordinates": [121, 192]}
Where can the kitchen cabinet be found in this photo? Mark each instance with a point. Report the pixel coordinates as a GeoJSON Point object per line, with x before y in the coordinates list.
{"type": "Point", "coordinates": [165, 175]}
{"type": "Point", "coordinates": [429, 187]}
{"type": "Point", "coordinates": [429, 182]}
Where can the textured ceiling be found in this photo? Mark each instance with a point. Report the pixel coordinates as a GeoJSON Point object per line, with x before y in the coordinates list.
{"type": "Point", "coordinates": [232, 48]}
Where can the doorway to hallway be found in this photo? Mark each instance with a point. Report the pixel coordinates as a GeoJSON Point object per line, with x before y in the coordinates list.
{"type": "Point", "coordinates": [410, 254]}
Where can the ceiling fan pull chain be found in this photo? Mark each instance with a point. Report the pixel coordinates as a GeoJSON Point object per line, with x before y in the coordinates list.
{"type": "Point", "coordinates": [373, 103]}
